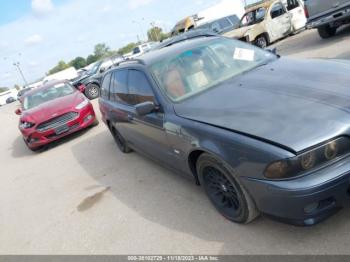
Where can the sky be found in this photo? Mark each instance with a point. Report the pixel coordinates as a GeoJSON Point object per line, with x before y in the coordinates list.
{"type": "Point", "coordinates": [39, 33]}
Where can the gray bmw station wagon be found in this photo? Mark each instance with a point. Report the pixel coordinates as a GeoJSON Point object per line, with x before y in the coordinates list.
{"type": "Point", "coordinates": [259, 133]}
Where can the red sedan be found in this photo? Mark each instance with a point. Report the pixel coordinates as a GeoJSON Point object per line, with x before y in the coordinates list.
{"type": "Point", "coordinates": [53, 111]}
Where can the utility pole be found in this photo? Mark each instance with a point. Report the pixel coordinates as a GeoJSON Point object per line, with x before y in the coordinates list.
{"type": "Point", "coordinates": [18, 66]}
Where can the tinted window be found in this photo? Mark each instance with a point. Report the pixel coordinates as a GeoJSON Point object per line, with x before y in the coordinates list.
{"type": "Point", "coordinates": [139, 88]}
{"type": "Point", "coordinates": [277, 10]}
{"type": "Point", "coordinates": [119, 86]}
{"type": "Point", "coordinates": [105, 86]}
{"type": "Point", "coordinates": [292, 4]}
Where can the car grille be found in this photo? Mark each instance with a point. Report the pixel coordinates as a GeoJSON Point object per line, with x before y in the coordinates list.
{"type": "Point", "coordinates": [57, 121]}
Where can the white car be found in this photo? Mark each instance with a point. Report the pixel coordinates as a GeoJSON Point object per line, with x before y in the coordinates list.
{"type": "Point", "coordinates": [296, 9]}
{"type": "Point", "coordinates": [7, 94]}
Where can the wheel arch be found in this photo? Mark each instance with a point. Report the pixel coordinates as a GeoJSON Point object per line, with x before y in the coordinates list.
{"type": "Point", "coordinates": [266, 35]}
{"type": "Point", "coordinates": [195, 153]}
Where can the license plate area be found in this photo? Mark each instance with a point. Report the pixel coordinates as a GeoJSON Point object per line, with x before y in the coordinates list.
{"type": "Point", "coordinates": [62, 129]}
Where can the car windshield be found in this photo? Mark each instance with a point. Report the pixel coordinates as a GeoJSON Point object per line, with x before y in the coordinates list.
{"type": "Point", "coordinates": [200, 68]}
{"type": "Point", "coordinates": [253, 17]}
{"type": "Point", "coordinates": [95, 68]}
{"type": "Point", "coordinates": [46, 95]}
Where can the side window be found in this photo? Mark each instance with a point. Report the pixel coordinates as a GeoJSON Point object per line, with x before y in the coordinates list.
{"type": "Point", "coordinates": [292, 4]}
{"type": "Point", "coordinates": [216, 27]}
{"type": "Point", "coordinates": [139, 88]}
{"type": "Point", "coordinates": [119, 86]}
{"type": "Point", "coordinates": [277, 10]}
{"type": "Point", "coordinates": [224, 23]}
{"type": "Point", "coordinates": [105, 86]}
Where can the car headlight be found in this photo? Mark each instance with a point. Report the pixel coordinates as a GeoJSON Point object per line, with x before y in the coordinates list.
{"type": "Point", "coordinates": [26, 125]}
{"type": "Point", "coordinates": [82, 105]}
{"type": "Point", "coordinates": [307, 161]}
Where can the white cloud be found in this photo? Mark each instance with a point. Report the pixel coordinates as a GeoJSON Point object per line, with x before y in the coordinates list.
{"type": "Point", "coordinates": [33, 39]}
{"type": "Point", "coordinates": [135, 4]}
{"type": "Point", "coordinates": [42, 7]}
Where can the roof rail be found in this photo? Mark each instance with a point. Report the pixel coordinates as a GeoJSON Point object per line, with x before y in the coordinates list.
{"type": "Point", "coordinates": [187, 36]}
{"type": "Point", "coordinates": [133, 60]}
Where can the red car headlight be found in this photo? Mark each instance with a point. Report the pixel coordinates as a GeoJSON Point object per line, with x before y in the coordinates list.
{"type": "Point", "coordinates": [26, 125]}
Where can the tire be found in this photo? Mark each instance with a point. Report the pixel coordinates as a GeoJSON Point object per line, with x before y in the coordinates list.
{"type": "Point", "coordinates": [92, 91]}
{"type": "Point", "coordinates": [225, 192]}
{"type": "Point", "coordinates": [261, 41]}
{"type": "Point", "coordinates": [120, 141]}
{"type": "Point", "coordinates": [326, 31]}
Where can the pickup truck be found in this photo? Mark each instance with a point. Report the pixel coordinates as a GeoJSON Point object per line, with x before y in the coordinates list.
{"type": "Point", "coordinates": [327, 15]}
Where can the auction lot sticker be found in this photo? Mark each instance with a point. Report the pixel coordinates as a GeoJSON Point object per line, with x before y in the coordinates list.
{"type": "Point", "coordinates": [244, 54]}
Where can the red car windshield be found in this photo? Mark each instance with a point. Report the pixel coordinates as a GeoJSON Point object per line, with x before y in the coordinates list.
{"type": "Point", "coordinates": [46, 95]}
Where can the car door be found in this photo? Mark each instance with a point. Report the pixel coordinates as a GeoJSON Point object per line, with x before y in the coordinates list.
{"type": "Point", "coordinates": [279, 22]}
{"type": "Point", "coordinates": [146, 133]}
{"type": "Point", "coordinates": [296, 9]}
{"type": "Point", "coordinates": [119, 103]}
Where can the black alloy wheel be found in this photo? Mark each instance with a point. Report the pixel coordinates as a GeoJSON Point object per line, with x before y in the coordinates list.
{"type": "Point", "coordinates": [226, 194]}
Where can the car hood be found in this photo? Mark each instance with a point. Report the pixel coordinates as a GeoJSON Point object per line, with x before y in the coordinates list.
{"type": "Point", "coordinates": [293, 103]}
{"type": "Point", "coordinates": [52, 108]}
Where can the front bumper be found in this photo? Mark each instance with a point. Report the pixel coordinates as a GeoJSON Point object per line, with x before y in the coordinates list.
{"type": "Point", "coordinates": [307, 200]}
{"type": "Point", "coordinates": [35, 138]}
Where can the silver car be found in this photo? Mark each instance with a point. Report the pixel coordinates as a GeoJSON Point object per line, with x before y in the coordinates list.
{"type": "Point", "coordinates": [327, 15]}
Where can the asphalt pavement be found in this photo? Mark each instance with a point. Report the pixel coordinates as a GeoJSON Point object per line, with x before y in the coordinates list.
{"type": "Point", "coordinates": [82, 196]}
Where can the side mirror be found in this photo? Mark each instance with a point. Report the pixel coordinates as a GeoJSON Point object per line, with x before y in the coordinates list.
{"type": "Point", "coordinates": [273, 51]}
{"type": "Point", "coordinates": [102, 69]}
{"type": "Point", "coordinates": [18, 111]}
{"type": "Point", "coordinates": [145, 108]}
{"type": "Point", "coordinates": [82, 88]}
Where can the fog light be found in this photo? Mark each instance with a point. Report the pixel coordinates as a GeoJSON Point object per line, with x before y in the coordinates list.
{"type": "Point", "coordinates": [310, 222]}
{"type": "Point", "coordinates": [88, 118]}
{"type": "Point", "coordinates": [311, 208]}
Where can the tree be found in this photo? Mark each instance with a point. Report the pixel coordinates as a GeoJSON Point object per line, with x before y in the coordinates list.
{"type": "Point", "coordinates": [78, 62]}
{"type": "Point", "coordinates": [91, 59]}
{"type": "Point", "coordinates": [59, 67]}
{"type": "Point", "coordinates": [3, 89]}
{"type": "Point", "coordinates": [155, 34]}
{"type": "Point", "coordinates": [127, 49]}
{"type": "Point", "coordinates": [101, 51]}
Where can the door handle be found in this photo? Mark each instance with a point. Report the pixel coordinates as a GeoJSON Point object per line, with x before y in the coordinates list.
{"type": "Point", "coordinates": [130, 117]}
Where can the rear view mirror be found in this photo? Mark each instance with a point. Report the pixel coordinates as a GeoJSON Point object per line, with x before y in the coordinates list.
{"type": "Point", "coordinates": [18, 111]}
{"type": "Point", "coordinates": [145, 108]}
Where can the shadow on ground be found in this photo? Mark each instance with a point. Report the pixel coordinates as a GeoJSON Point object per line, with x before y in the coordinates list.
{"type": "Point", "coordinates": [172, 201]}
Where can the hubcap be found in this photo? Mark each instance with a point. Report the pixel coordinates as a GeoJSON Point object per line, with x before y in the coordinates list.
{"type": "Point", "coordinates": [222, 192]}
{"type": "Point", "coordinates": [93, 91]}
{"type": "Point", "coordinates": [262, 42]}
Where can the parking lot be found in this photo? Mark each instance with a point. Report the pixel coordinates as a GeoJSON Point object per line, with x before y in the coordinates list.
{"type": "Point", "coordinates": [82, 196]}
